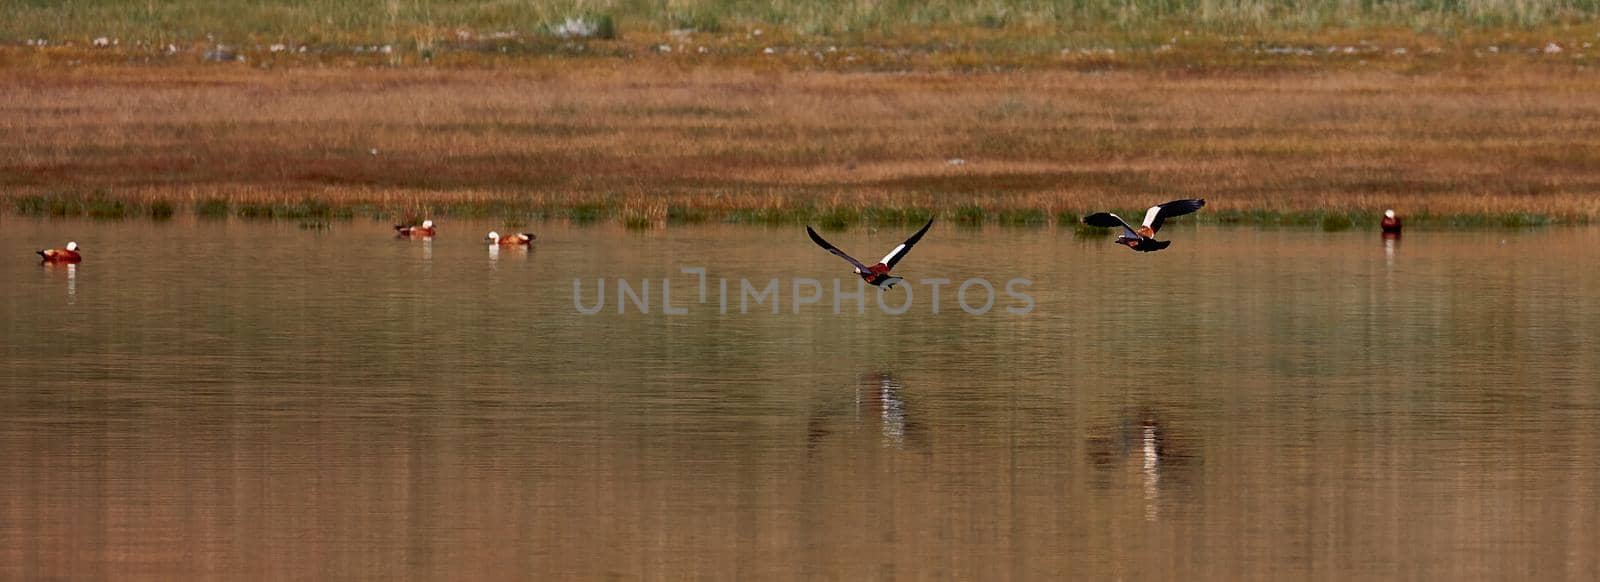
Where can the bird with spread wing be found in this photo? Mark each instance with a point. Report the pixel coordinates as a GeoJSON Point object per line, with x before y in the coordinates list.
{"type": "Point", "coordinates": [1143, 238]}
{"type": "Point", "coordinates": [878, 274]}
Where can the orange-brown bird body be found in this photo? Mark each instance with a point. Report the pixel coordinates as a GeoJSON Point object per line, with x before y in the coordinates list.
{"type": "Point", "coordinates": [66, 255]}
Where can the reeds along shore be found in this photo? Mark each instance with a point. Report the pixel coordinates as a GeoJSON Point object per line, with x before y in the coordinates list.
{"type": "Point", "coordinates": [1268, 135]}
{"type": "Point", "coordinates": [310, 212]}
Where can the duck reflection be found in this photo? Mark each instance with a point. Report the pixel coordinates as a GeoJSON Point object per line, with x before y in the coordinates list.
{"type": "Point", "coordinates": [497, 251]}
{"type": "Point", "coordinates": [1141, 442]}
{"type": "Point", "coordinates": [1391, 242]}
{"type": "Point", "coordinates": [877, 403]}
{"type": "Point", "coordinates": [70, 272]}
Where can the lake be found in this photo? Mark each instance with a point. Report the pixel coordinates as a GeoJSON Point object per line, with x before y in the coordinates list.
{"type": "Point", "coordinates": [233, 399]}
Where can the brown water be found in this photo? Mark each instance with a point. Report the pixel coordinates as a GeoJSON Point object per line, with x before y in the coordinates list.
{"type": "Point", "coordinates": [256, 401]}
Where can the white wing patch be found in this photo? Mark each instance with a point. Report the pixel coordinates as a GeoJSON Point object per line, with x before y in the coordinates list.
{"type": "Point", "coordinates": [1150, 215]}
{"type": "Point", "coordinates": [892, 253]}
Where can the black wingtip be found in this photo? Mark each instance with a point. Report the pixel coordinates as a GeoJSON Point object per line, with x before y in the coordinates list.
{"type": "Point", "coordinates": [817, 238]}
{"type": "Point", "coordinates": [921, 231]}
{"type": "Point", "coordinates": [40, 252]}
{"type": "Point", "coordinates": [1102, 220]}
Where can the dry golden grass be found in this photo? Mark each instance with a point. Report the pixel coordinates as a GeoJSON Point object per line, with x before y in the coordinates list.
{"type": "Point", "coordinates": [649, 142]}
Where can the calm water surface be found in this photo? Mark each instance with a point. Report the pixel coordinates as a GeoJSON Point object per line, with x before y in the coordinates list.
{"type": "Point", "coordinates": [243, 400]}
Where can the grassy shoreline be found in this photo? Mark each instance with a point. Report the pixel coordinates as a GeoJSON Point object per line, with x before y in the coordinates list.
{"type": "Point", "coordinates": [1171, 49]}
{"type": "Point", "coordinates": [314, 212]}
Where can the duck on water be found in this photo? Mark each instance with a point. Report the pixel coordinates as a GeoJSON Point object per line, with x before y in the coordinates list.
{"type": "Point", "coordinates": [69, 254]}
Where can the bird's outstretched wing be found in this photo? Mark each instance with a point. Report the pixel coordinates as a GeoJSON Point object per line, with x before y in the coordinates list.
{"type": "Point", "coordinates": [1109, 220]}
{"type": "Point", "coordinates": [899, 252]}
{"type": "Point", "coordinates": [1160, 213]}
{"type": "Point", "coordinates": [833, 249]}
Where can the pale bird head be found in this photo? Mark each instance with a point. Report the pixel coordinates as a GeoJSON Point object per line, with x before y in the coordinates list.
{"type": "Point", "coordinates": [1388, 214]}
{"type": "Point", "coordinates": [427, 224]}
{"type": "Point", "coordinates": [72, 246]}
{"type": "Point", "coordinates": [493, 235]}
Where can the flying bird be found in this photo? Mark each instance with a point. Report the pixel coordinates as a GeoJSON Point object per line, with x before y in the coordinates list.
{"type": "Point", "coordinates": [66, 255]}
{"type": "Point", "coordinates": [425, 230]}
{"type": "Point", "coordinates": [513, 240]}
{"type": "Point", "coordinates": [1143, 238]}
{"type": "Point", "coordinates": [878, 274]}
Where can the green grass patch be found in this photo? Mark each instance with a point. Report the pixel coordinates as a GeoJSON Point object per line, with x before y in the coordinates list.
{"type": "Point", "coordinates": [256, 211]}
{"type": "Point", "coordinates": [896, 216]}
{"type": "Point", "coordinates": [1023, 217]}
{"type": "Point", "coordinates": [637, 220]}
{"type": "Point", "coordinates": [106, 209]}
{"type": "Point", "coordinates": [303, 210]}
{"type": "Point", "coordinates": [213, 208]}
{"type": "Point", "coordinates": [705, 20]}
{"type": "Point", "coordinates": [838, 218]}
{"type": "Point", "coordinates": [605, 26]}
{"type": "Point", "coordinates": [31, 205]}
{"type": "Point", "coordinates": [770, 216]}
{"type": "Point", "coordinates": [969, 214]}
{"type": "Point", "coordinates": [1068, 218]}
{"type": "Point", "coordinates": [686, 215]}
{"type": "Point", "coordinates": [585, 213]}
{"type": "Point", "coordinates": [1336, 222]}
{"type": "Point", "coordinates": [161, 210]}
{"type": "Point", "coordinates": [1524, 220]}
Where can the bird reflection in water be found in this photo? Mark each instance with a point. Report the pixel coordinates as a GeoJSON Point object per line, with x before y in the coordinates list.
{"type": "Point", "coordinates": [879, 395]}
{"type": "Point", "coordinates": [497, 251]}
{"type": "Point", "coordinates": [878, 403]}
{"type": "Point", "coordinates": [1391, 242]}
{"type": "Point", "coordinates": [1144, 439]}
{"type": "Point", "coordinates": [70, 271]}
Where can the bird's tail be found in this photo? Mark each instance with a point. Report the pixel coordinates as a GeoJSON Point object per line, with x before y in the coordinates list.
{"type": "Point", "coordinates": [399, 227]}
{"type": "Point", "coordinates": [42, 253]}
{"type": "Point", "coordinates": [530, 236]}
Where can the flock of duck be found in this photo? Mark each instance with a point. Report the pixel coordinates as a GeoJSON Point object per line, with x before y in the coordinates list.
{"type": "Point", "coordinates": [70, 255]}
{"type": "Point", "coordinates": [1138, 238]}
{"type": "Point", "coordinates": [427, 230]}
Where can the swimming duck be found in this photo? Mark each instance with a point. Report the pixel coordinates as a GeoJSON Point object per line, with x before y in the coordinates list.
{"type": "Point", "coordinates": [1391, 223]}
{"type": "Point", "coordinates": [66, 255]}
{"type": "Point", "coordinates": [425, 230]}
{"type": "Point", "coordinates": [1143, 238]}
{"type": "Point", "coordinates": [519, 239]}
{"type": "Point", "coordinates": [877, 275]}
